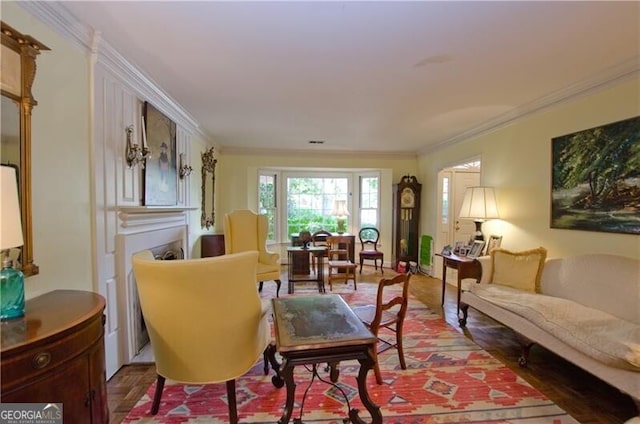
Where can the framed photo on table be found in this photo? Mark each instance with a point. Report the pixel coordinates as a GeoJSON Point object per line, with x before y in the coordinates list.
{"type": "Point", "coordinates": [494, 242]}
{"type": "Point", "coordinates": [476, 249]}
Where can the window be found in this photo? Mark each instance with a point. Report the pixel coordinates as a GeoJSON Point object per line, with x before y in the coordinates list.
{"type": "Point", "coordinates": [311, 201]}
{"type": "Point", "coordinates": [369, 200]}
{"type": "Point", "coordinates": [267, 191]}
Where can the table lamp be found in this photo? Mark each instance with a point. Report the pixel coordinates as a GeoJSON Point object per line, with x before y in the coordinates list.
{"type": "Point", "coordinates": [11, 279]}
{"type": "Point", "coordinates": [479, 204]}
{"type": "Point", "coordinates": [341, 214]}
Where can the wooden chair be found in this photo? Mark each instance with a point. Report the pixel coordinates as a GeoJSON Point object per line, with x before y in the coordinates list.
{"type": "Point", "coordinates": [319, 238]}
{"type": "Point", "coordinates": [206, 321]}
{"type": "Point", "coordinates": [369, 237]}
{"type": "Point", "coordinates": [245, 230]}
{"type": "Point", "coordinates": [388, 313]}
{"type": "Point", "coordinates": [340, 264]}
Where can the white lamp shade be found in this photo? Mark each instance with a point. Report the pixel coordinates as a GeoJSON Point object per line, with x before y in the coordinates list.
{"type": "Point", "coordinates": [341, 208]}
{"type": "Point", "coordinates": [479, 203]}
{"type": "Point", "coordinates": [10, 221]}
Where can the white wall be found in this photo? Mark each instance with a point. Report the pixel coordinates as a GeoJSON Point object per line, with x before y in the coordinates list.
{"type": "Point", "coordinates": [238, 175]}
{"type": "Point", "coordinates": [517, 161]}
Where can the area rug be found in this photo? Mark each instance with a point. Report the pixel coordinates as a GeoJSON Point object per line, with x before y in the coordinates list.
{"type": "Point", "coordinates": [449, 379]}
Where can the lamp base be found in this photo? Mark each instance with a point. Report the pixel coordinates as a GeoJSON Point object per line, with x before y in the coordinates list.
{"type": "Point", "coordinates": [477, 235]}
{"type": "Point", "coordinates": [11, 293]}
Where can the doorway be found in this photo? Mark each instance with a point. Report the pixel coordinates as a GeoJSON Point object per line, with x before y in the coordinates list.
{"type": "Point", "coordinates": [452, 183]}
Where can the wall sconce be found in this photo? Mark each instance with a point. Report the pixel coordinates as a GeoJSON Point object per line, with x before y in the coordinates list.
{"type": "Point", "coordinates": [184, 170]}
{"type": "Point", "coordinates": [341, 213]}
{"type": "Point", "coordinates": [479, 204]}
{"type": "Point", "coordinates": [136, 154]}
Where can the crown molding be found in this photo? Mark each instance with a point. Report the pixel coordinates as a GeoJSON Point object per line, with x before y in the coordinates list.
{"type": "Point", "coordinates": [334, 154]}
{"type": "Point", "coordinates": [57, 17]}
{"type": "Point", "coordinates": [610, 77]}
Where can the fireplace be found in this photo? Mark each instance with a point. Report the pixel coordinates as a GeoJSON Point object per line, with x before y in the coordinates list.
{"type": "Point", "coordinates": [165, 234]}
{"type": "Point", "coordinates": [139, 334]}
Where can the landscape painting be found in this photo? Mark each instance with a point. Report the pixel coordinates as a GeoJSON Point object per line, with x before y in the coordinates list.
{"type": "Point", "coordinates": [596, 179]}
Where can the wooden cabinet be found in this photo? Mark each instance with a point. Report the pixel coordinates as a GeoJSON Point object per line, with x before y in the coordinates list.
{"type": "Point", "coordinates": [406, 220]}
{"type": "Point", "coordinates": [211, 245]}
{"type": "Point", "coordinates": [55, 354]}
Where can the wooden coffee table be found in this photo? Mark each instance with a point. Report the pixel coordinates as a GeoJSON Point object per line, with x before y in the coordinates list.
{"type": "Point", "coordinates": [319, 329]}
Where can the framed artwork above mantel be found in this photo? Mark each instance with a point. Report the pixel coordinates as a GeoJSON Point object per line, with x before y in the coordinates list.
{"type": "Point", "coordinates": [160, 172]}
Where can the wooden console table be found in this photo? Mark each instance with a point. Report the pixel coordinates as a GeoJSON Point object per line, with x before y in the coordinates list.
{"type": "Point", "coordinates": [55, 354]}
{"type": "Point", "coordinates": [310, 330]}
{"type": "Point", "coordinates": [467, 268]}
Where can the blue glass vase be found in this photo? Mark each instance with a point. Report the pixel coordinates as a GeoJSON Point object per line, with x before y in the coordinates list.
{"type": "Point", "coordinates": [11, 293]}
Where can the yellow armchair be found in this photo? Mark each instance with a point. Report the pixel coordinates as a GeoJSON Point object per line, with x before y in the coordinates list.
{"type": "Point", "coordinates": [245, 230]}
{"type": "Point", "coordinates": [206, 321]}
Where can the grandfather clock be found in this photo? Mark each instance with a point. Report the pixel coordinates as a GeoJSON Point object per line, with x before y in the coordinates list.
{"type": "Point", "coordinates": [406, 216]}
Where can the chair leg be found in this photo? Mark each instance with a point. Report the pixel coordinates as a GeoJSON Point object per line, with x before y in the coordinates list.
{"type": "Point", "coordinates": [376, 367]}
{"type": "Point", "coordinates": [155, 406]}
{"type": "Point", "coordinates": [260, 286]}
{"type": "Point", "coordinates": [278, 284]}
{"type": "Point", "coordinates": [399, 346]}
{"type": "Point", "coordinates": [361, 261]}
{"type": "Point", "coordinates": [231, 397]}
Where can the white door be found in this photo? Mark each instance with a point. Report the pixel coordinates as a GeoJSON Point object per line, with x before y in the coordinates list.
{"type": "Point", "coordinates": [452, 183]}
{"type": "Point", "coordinates": [463, 229]}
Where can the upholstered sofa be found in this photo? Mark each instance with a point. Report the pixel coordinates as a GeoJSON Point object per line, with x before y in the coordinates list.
{"type": "Point", "coordinates": [584, 308]}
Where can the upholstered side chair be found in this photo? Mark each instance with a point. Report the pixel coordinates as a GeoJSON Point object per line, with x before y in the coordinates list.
{"type": "Point", "coordinates": [387, 314]}
{"type": "Point", "coordinates": [245, 230]}
{"type": "Point", "coordinates": [206, 321]}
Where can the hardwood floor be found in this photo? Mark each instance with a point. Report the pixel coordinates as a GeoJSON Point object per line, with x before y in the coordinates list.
{"type": "Point", "coordinates": [586, 398]}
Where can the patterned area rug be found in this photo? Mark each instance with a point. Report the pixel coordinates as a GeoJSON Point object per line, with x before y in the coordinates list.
{"type": "Point", "coordinates": [449, 379]}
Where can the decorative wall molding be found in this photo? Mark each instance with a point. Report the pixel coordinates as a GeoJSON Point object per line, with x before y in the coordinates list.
{"type": "Point", "coordinates": [609, 77]}
{"type": "Point", "coordinates": [55, 15]}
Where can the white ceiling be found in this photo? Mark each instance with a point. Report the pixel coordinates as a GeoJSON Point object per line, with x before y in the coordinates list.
{"type": "Point", "coordinates": [365, 76]}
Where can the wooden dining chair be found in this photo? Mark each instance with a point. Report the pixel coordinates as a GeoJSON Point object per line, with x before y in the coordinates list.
{"type": "Point", "coordinates": [340, 264]}
{"type": "Point", "coordinates": [387, 314]}
{"type": "Point", "coordinates": [319, 238]}
{"type": "Point", "coordinates": [369, 237]}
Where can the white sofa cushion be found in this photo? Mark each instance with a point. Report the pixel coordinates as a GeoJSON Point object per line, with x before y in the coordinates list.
{"type": "Point", "coordinates": [602, 336]}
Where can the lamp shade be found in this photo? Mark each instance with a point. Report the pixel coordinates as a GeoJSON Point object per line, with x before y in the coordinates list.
{"type": "Point", "coordinates": [341, 208]}
{"type": "Point", "coordinates": [10, 221]}
{"type": "Point", "coordinates": [479, 204]}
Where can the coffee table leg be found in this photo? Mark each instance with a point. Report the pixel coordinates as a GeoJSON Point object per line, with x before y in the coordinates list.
{"type": "Point", "coordinates": [287, 374]}
{"type": "Point", "coordinates": [374, 410]}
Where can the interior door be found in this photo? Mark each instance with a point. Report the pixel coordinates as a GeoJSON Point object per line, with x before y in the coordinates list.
{"type": "Point", "coordinates": [452, 183]}
{"type": "Point", "coordinates": [463, 229]}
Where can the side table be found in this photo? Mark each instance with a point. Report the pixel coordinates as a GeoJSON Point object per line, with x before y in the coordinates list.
{"type": "Point", "coordinates": [310, 330]}
{"type": "Point", "coordinates": [467, 268]}
{"type": "Point", "coordinates": [294, 253]}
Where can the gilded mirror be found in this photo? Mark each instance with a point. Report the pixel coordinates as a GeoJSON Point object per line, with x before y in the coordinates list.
{"type": "Point", "coordinates": [18, 58]}
{"type": "Point", "coordinates": [207, 217]}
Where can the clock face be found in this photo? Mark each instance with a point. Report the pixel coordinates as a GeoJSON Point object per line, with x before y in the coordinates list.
{"type": "Point", "coordinates": [407, 198]}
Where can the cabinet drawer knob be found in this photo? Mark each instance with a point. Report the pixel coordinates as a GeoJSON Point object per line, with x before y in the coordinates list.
{"type": "Point", "coordinates": [41, 360]}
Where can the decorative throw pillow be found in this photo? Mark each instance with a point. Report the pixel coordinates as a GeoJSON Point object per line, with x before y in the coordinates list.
{"type": "Point", "coordinates": [520, 270]}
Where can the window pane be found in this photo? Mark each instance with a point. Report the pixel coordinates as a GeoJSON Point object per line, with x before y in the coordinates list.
{"type": "Point", "coordinates": [267, 202]}
{"type": "Point", "coordinates": [311, 202]}
{"type": "Point", "coordinates": [369, 201]}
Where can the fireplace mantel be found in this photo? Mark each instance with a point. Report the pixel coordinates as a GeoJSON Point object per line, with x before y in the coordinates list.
{"type": "Point", "coordinates": [138, 217]}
